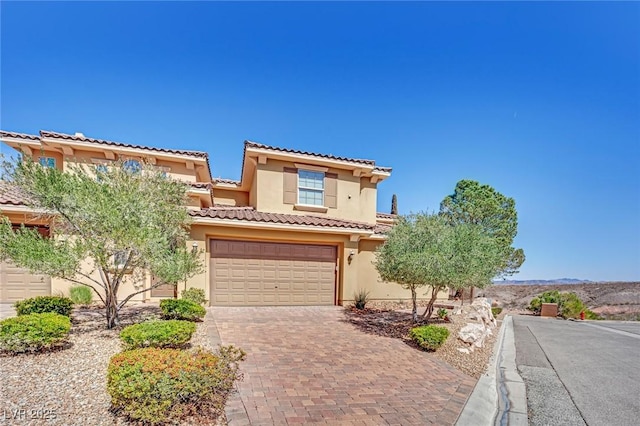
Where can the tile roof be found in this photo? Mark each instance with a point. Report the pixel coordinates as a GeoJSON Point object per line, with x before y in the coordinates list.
{"type": "Point", "coordinates": [200, 185]}
{"type": "Point", "coordinates": [56, 135]}
{"type": "Point", "coordinates": [248, 214]}
{"type": "Point", "coordinates": [381, 229]}
{"type": "Point", "coordinates": [11, 194]}
{"type": "Point", "coordinates": [15, 135]}
{"type": "Point", "coordinates": [386, 216]}
{"type": "Point", "coordinates": [226, 181]}
{"type": "Point", "coordinates": [249, 144]}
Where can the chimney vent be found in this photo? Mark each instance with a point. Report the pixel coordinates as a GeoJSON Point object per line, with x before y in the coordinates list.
{"type": "Point", "coordinates": [79, 135]}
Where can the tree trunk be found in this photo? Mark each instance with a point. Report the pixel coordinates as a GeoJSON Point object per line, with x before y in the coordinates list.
{"type": "Point", "coordinates": [429, 311]}
{"type": "Point", "coordinates": [111, 307]}
{"type": "Point", "coordinates": [414, 312]}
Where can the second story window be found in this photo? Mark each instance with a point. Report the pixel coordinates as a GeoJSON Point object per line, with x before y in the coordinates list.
{"type": "Point", "coordinates": [132, 166]}
{"type": "Point", "coordinates": [310, 188]}
{"type": "Point", "coordinates": [47, 162]}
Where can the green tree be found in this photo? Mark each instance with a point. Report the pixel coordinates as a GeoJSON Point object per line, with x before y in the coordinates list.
{"type": "Point", "coordinates": [426, 250]}
{"type": "Point", "coordinates": [482, 205]}
{"type": "Point", "coordinates": [110, 225]}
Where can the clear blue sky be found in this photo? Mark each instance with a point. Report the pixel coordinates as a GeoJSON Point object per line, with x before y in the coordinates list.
{"type": "Point", "coordinates": [539, 100]}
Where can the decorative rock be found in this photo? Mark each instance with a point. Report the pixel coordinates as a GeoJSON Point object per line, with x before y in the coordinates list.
{"type": "Point", "coordinates": [464, 350]}
{"type": "Point", "coordinates": [482, 321]}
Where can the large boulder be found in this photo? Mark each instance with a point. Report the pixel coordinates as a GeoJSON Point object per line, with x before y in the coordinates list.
{"type": "Point", "coordinates": [480, 322]}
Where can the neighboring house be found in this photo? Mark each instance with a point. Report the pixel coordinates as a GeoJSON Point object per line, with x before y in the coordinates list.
{"type": "Point", "coordinates": [298, 228]}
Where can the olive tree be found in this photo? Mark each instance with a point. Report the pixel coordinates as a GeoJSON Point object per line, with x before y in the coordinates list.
{"type": "Point", "coordinates": [110, 224]}
{"type": "Point", "coordinates": [425, 250]}
{"type": "Point", "coordinates": [477, 204]}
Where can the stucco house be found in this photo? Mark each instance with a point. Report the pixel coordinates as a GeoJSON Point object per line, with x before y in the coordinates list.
{"type": "Point", "coordinates": [298, 228]}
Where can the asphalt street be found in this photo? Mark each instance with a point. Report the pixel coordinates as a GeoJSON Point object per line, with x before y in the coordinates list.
{"type": "Point", "coordinates": [579, 372]}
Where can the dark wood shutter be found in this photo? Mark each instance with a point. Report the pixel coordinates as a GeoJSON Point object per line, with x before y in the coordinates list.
{"type": "Point", "coordinates": [290, 189]}
{"type": "Point", "coordinates": [331, 190]}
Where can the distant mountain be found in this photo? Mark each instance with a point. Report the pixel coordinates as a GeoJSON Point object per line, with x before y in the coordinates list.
{"type": "Point", "coordinates": [542, 282]}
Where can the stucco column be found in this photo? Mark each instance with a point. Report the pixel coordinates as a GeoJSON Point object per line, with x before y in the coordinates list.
{"type": "Point", "coordinates": [349, 264]}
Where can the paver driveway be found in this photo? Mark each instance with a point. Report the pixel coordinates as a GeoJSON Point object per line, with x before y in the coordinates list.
{"type": "Point", "coordinates": [305, 364]}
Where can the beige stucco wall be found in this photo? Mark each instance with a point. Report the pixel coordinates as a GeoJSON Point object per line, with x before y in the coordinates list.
{"type": "Point", "coordinates": [356, 196]}
{"type": "Point", "coordinates": [230, 197]}
{"type": "Point", "coordinates": [351, 276]}
{"type": "Point", "coordinates": [176, 170]}
{"type": "Point", "coordinates": [369, 279]}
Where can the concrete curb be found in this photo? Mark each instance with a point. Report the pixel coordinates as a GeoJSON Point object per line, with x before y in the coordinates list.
{"type": "Point", "coordinates": [499, 397]}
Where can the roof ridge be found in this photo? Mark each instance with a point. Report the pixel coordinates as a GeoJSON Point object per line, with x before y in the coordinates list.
{"type": "Point", "coordinates": [252, 144]}
{"type": "Point", "coordinates": [59, 135]}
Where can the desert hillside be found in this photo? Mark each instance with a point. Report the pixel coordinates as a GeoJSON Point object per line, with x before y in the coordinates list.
{"type": "Point", "coordinates": [616, 300]}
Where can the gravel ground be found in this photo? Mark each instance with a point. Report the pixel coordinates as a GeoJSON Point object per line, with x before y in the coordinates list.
{"type": "Point", "coordinates": [393, 319]}
{"type": "Point", "coordinates": [68, 387]}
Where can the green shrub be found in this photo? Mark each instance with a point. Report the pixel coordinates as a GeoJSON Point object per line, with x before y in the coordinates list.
{"type": "Point", "coordinates": [442, 313]}
{"type": "Point", "coordinates": [33, 332]}
{"type": "Point", "coordinates": [569, 304]}
{"type": "Point", "coordinates": [361, 298]}
{"type": "Point", "coordinates": [181, 309]}
{"type": "Point", "coordinates": [157, 334]}
{"type": "Point", "coordinates": [42, 304]}
{"type": "Point", "coordinates": [169, 385]}
{"type": "Point", "coordinates": [496, 311]}
{"type": "Point", "coordinates": [429, 337]}
{"type": "Point", "coordinates": [81, 294]}
{"type": "Point", "coordinates": [547, 297]}
{"type": "Point", "coordinates": [195, 295]}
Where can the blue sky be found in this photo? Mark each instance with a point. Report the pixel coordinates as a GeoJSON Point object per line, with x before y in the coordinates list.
{"type": "Point", "coordinates": [539, 100]}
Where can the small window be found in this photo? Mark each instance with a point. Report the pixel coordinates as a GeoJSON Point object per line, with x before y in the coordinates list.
{"type": "Point", "coordinates": [132, 166]}
{"type": "Point", "coordinates": [310, 188]}
{"type": "Point", "coordinates": [48, 162]}
{"type": "Point", "coordinates": [120, 258]}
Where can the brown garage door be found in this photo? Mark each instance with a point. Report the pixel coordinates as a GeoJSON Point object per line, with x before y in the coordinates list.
{"type": "Point", "coordinates": [250, 273]}
{"type": "Point", "coordinates": [17, 283]}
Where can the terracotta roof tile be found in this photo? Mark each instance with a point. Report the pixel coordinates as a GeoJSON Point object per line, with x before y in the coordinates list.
{"type": "Point", "coordinates": [382, 169]}
{"type": "Point", "coordinates": [11, 195]}
{"type": "Point", "coordinates": [381, 228]}
{"type": "Point", "coordinates": [15, 135]}
{"type": "Point", "coordinates": [226, 181]}
{"type": "Point", "coordinates": [78, 138]}
{"type": "Point", "coordinates": [386, 216]}
{"type": "Point", "coordinates": [249, 144]}
{"type": "Point", "coordinates": [249, 214]}
{"type": "Point", "coordinates": [200, 185]}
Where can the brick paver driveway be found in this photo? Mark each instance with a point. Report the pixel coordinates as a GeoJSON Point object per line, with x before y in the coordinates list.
{"type": "Point", "coordinates": [306, 365]}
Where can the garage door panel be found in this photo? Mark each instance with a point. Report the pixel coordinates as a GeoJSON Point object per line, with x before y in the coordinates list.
{"type": "Point", "coordinates": [18, 283]}
{"type": "Point", "coordinates": [264, 273]}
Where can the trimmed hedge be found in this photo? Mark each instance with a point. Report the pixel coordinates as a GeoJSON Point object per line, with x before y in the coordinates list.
{"type": "Point", "coordinates": [81, 294]}
{"type": "Point", "coordinates": [157, 334]}
{"type": "Point", "coordinates": [429, 337]}
{"type": "Point", "coordinates": [168, 385]}
{"type": "Point", "coordinates": [181, 309]}
{"type": "Point", "coordinates": [42, 304]}
{"type": "Point", "coordinates": [34, 332]}
{"type": "Point", "coordinates": [195, 295]}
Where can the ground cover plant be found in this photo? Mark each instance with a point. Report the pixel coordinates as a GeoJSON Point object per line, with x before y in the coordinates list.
{"type": "Point", "coordinates": [181, 309]}
{"type": "Point", "coordinates": [195, 295]}
{"type": "Point", "coordinates": [157, 334]}
{"type": "Point", "coordinates": [42, 304]}
{"type": "Point", "coordinates": [168, 385]}
{"type": "Point", "coordinates": [34, 332]}
{"type": "Point", "coordinates": [80, 294]}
